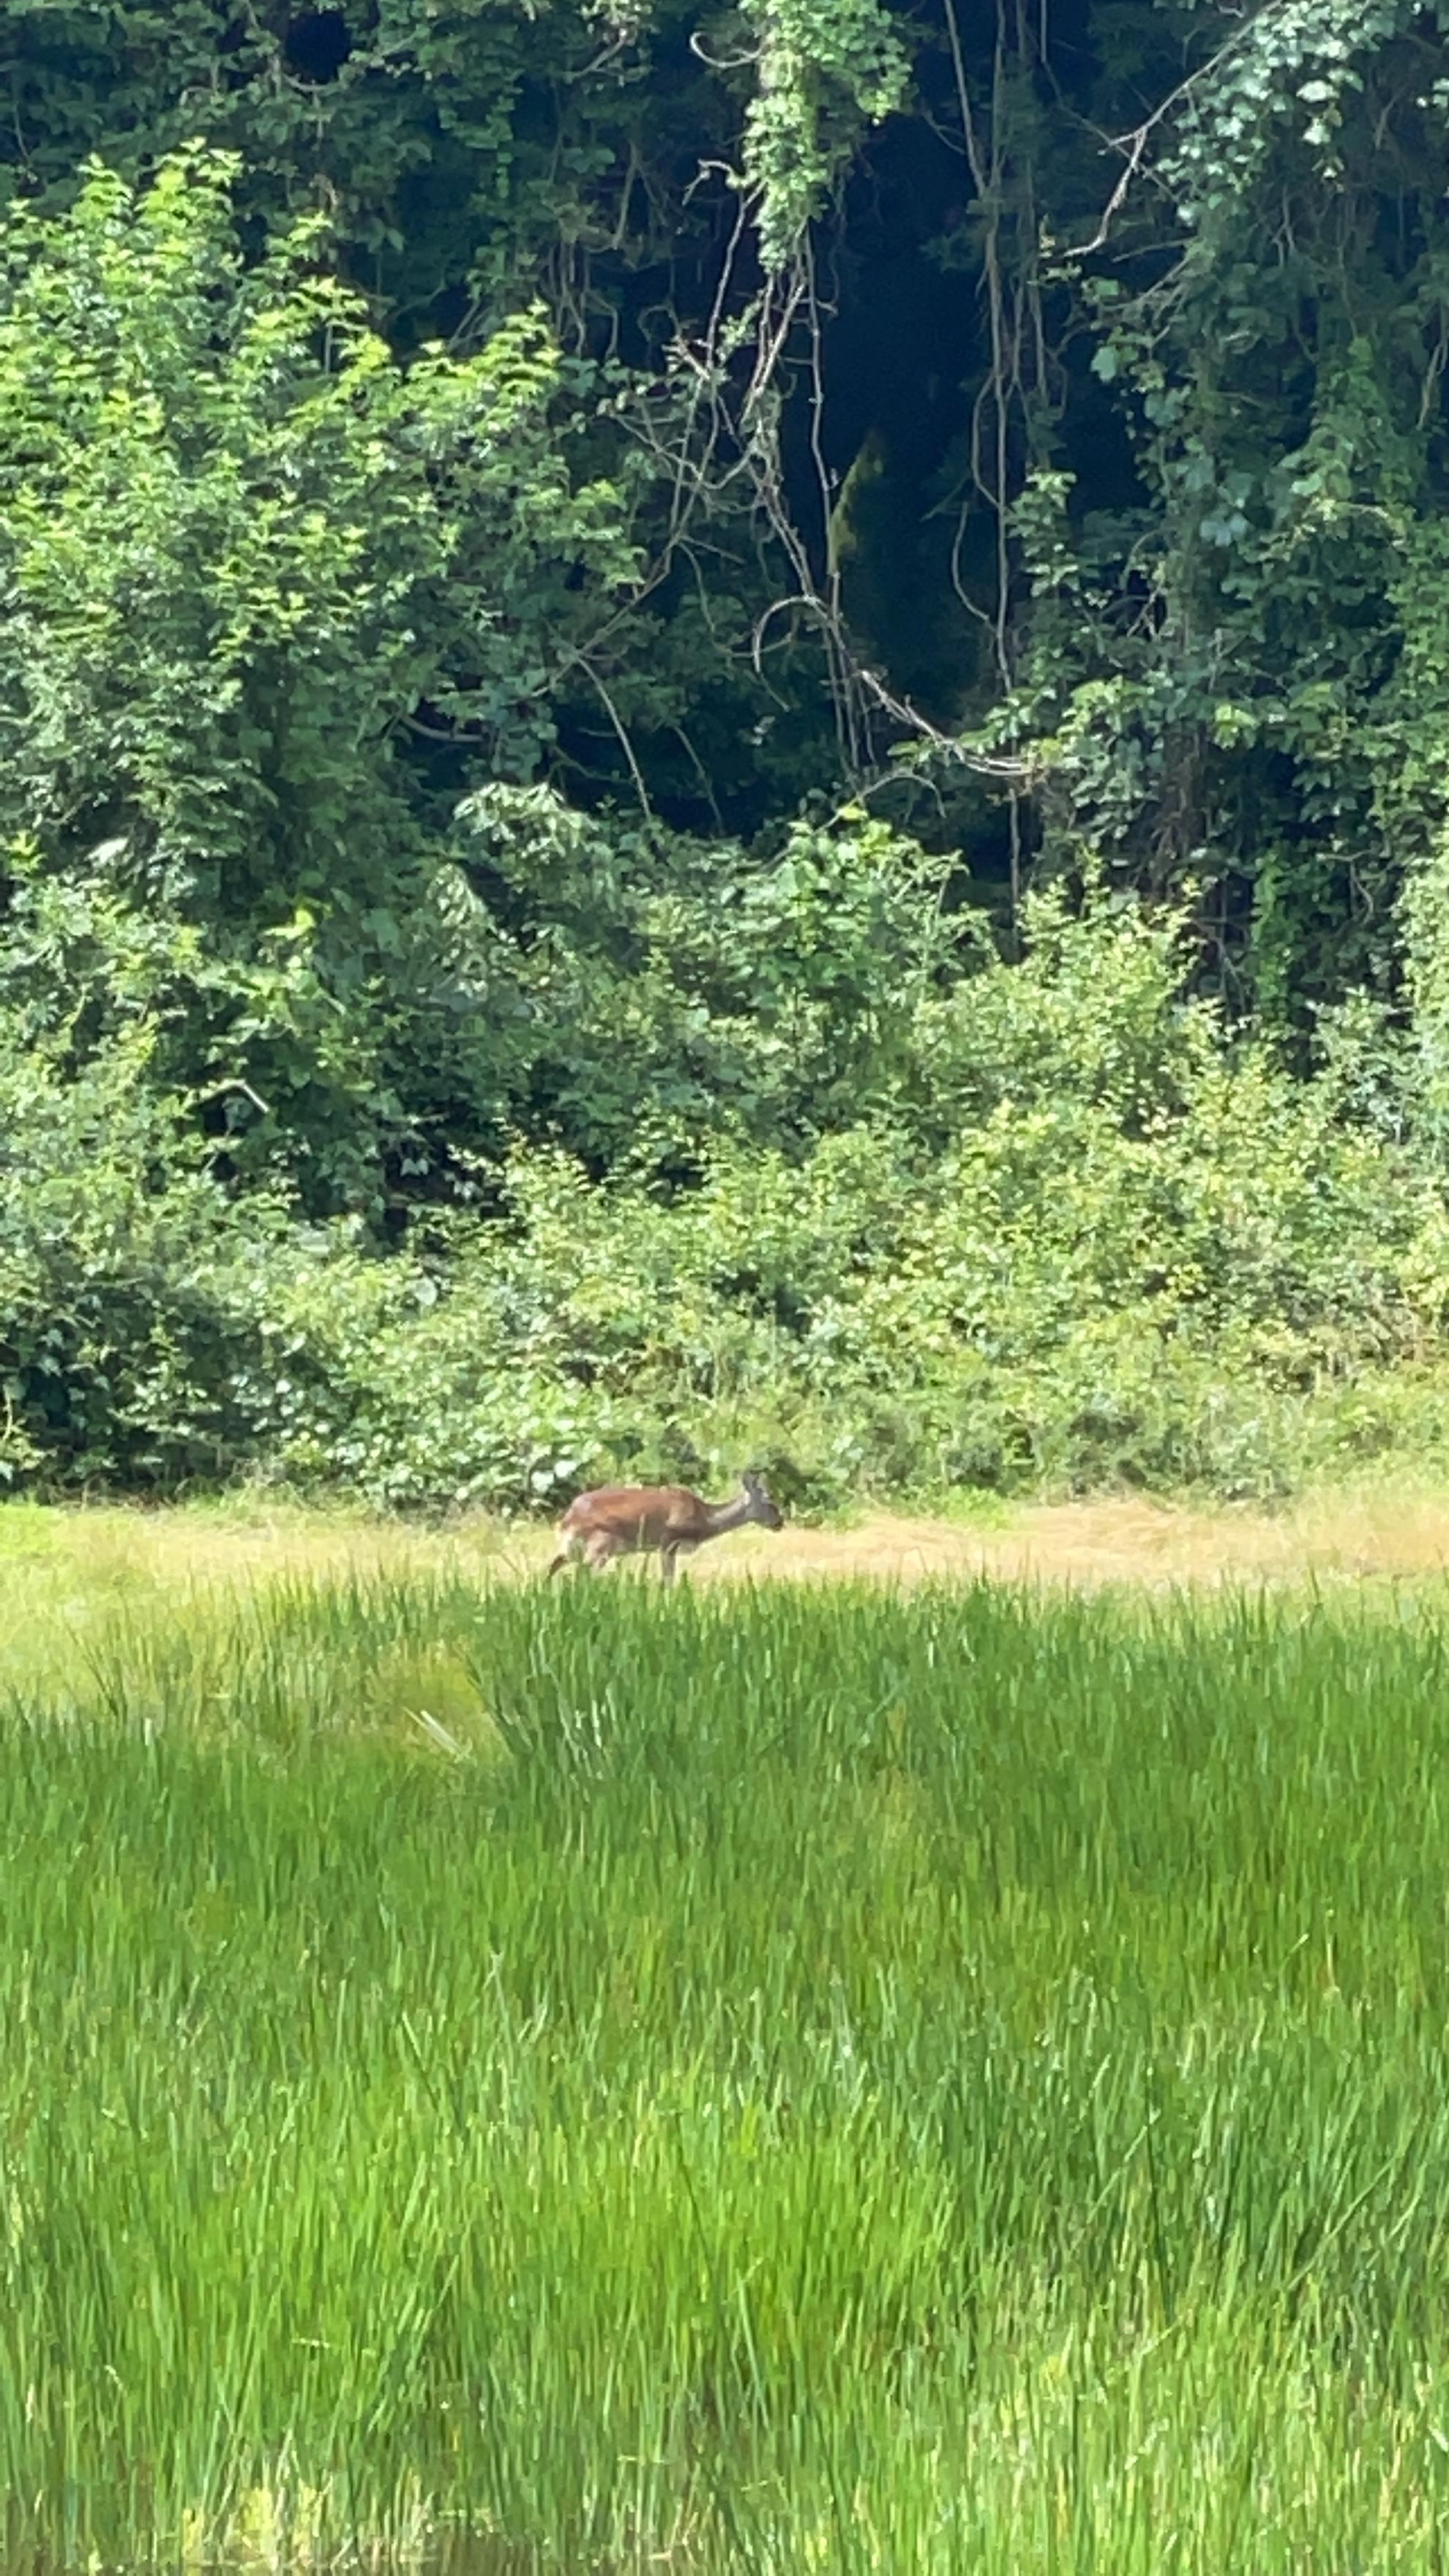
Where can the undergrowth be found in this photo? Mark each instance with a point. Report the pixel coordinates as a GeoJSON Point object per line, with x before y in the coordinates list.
{"type": "Point", "coordinates": [1086, 1236]}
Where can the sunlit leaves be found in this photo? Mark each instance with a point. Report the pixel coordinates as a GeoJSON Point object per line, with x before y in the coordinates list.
{"type": "Point", "coordinates": [824, 69]}
{"type": "Point", "coordinates": [240, 548]}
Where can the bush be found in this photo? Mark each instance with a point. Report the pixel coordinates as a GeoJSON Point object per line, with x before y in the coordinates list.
{"type": "Point", "coordinates": [1162, 1259]}
{"type": "Point", "coordinates": [132, 1304]}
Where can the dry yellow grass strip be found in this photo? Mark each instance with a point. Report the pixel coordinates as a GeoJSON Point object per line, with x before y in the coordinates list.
{"type": "Point", "coordinates": [62, 1563]}
{"type": "Point", "coordinates": [1117, 1540]}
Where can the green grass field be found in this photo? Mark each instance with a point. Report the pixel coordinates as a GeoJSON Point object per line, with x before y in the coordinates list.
{"type": "Point", "coordinates": [771, 2078]}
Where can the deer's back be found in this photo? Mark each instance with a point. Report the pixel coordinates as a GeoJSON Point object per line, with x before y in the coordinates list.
{"type": "Point", "coordinates": [633, 1507]}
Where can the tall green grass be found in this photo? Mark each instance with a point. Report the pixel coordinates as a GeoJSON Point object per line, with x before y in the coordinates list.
{"type": "Point", "coordinates": [779, 2080]}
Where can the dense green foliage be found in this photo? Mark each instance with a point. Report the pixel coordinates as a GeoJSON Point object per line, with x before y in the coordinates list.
{"type": "Point", "coordinates": [1081, 1236]}
{"type": "Point", "coordinates": [811, 2079]}
{"type": "Point", "coordinates": [563, 573]}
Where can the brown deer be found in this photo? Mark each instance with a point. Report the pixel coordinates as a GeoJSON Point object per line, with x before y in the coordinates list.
{"type": "Point", "coordinates": [621, 1520]}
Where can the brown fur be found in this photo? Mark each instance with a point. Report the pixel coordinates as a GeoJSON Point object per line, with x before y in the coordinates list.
{"type": "Point", "coordinates": [624, 1520]}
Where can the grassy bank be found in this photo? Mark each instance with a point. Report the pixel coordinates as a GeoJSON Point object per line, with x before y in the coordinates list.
{"type": "Point", "coordinates": [785, 2078]}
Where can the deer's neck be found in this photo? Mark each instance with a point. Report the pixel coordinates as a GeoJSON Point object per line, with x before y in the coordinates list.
{"type": "Point", "coordinates": [728, 1516]}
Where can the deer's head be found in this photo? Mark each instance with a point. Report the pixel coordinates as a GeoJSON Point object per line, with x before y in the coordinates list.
{"type": "Point", "coordinates": [762, 1509]}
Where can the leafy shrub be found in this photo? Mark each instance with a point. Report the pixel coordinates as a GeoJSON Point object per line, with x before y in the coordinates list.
{"type": "Point", "coordinates": [132, 1335]}
{"type": "Point", "coordinates": [241, 548]}
{"type": "Point", "coordinates": [1162, 1259]}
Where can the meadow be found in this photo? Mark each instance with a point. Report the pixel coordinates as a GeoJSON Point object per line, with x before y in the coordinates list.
{"type": "Point", "coordinates": [783, 2076]}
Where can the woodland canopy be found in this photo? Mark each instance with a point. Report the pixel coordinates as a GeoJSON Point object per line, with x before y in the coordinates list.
{"type": "Point", "coordinates": [718, 727]}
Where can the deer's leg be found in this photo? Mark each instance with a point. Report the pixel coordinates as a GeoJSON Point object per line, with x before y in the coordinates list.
{"type": "Point", "coordinates": [598, 1550]}
{"type": "Point", "coordinates": [669, 1563]}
